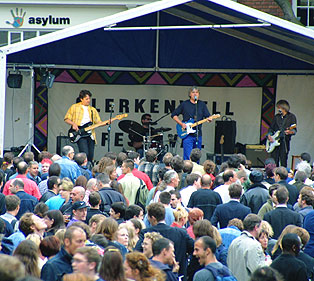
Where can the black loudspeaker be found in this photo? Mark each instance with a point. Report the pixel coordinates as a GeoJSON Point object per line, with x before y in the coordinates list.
{"type": "Point", "coordinates": [256, 154]}
{"type": "Point", "coordinates": [15, 80]}
{"type": "Point", "coordinates": [63, 141]}
{"type": "Point", "coordinates": [225, 131]}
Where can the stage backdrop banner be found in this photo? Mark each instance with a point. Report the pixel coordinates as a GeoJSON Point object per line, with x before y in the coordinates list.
{"type": "Point", "coordinates": [240, 104]}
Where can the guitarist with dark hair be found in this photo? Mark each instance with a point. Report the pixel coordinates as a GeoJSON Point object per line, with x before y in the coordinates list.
{"type": "Point", "coordinates": [196, 110]}
{"type": "Point", "coordinates": [83, 114]}
{"type": "Point", "coordinates": [283, 125]}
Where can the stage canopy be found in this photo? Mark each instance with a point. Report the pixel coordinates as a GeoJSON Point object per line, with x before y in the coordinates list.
{"type": "Point", "coordinates": [229, 37]}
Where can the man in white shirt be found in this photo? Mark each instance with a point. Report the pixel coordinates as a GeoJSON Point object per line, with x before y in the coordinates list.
{"type": "Point", "coordinates": [194, 183]}
{"type": "Point", "coordinates": [229, 176]}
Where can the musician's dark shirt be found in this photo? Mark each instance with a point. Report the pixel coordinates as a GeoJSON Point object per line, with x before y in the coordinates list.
{"type": "Point", "coordinates": [188, 111]}
{"type": "Point", "coordinates": [282, 123]}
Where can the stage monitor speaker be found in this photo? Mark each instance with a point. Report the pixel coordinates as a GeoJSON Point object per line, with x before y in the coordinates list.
{"type": "Point", "coordinates": [63, 141]}
{"type": "Point", "coordinates": [14, 80]}
{"type": "Point", "coordinates": [227, 129]}
{"type": "Point", "coordinates": [257, 155]}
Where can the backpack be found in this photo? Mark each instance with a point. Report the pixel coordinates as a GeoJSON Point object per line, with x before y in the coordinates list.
{"type": "Point", "coordinates": [221, 274]}
{"type": "Point", "coordinates": [141, 195]}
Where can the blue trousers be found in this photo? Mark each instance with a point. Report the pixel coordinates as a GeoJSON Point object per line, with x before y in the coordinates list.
{"type": "Point", "coordinates": [189, 143]}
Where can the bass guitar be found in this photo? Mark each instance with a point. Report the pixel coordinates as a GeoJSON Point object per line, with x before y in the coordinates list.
{"type": "Point", "coordinates": [270, 146]}
{"type": "Point", "coordinates": [85, 130]}
{"type": "Point", "coordinates": [183, 133]}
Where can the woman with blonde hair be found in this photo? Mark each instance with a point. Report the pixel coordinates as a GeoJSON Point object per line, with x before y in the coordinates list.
{"type": "Point", "coordinates": [263, 238]}
{"type": "Point", "coordinates": [77, 277]}
{"type": "Point", "coordinates": [137, 267]}
{"type": "Point", "coordinates": [180, 217]}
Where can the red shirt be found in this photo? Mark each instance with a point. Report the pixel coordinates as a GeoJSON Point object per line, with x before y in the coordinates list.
{"type": "Point", "coordinates": [30, 187]}
{"type": "Point", "coordinates": [145, 178]}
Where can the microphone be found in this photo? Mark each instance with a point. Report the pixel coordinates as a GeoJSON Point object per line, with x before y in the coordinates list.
{"type": "Point", "coordinates": [112, 106]}
{"type": "Point", "coordinates": [195, 99]}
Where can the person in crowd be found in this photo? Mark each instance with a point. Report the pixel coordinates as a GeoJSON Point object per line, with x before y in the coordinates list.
{"type": "Point", "coordinates": [27, 253]}
{"type": "Point", "coordinates": [150, 166]}
{"type": "Point", "coordinates": [287, 264]}
{"type": "Point", "coordinates": [137, 267]}
{"type": "Point", "coordinates": [195, 157]}
{"type": "Point", "coordinates": [69, 168]}
{"type": "Point", "coordinates": [176, 200]}
{"type": "Point", "coordinates": [193, 182]}
{"type": "Point", "coordinates": [53, 188]}
{"type": "Point", "coordinates": [183, 244]}
{"type": "Point", "coordinates": [134, 211]}
{"type": "Point", "coordinates": [123, 236]}
{"type": "Point", "coordinates": [229, 176]}
{"type": "Point", "coordinates": [164, 258]}
{"type": "Point", "coordinates": [245, 254]}
{"type": "Point", "coordinates": [107, 194]}
{"type": "Point", "coordinates": [170, 182]}
{"type": "Point", "coordinates": [164, 198]}
{"type": "Point", "coordinates": [117, 211]}
{"type": "Point", "coordinates": [94, 202]}
{"type": "Point", "coordinates": [281, 174]}
{"type": "Point", "coordinates": [134, 156]}
{"type": "Point", "coordinates": [263, 237]}
{"type": "Point", "coordinates": [82, 161]}
{"type": "Point", "coordinates": [49, 246]}
{"type": "Point", "coordinates": [91, 186]}
{"type": "Point", "coordinates": [79, 210]}
{"type": "Point", "coordinates": [305, 201]}
{"type": "Point", "coordinates": [111, 268]}
{"type": "Point", "coordinates": [195, 214]}
{"type": "Point", "coordinates": [266, 273]}
{"type": "Point", "coordinates": [111, 171]}
{"type": "Point", "coordinates": [12, 205]}
{"type": "Point", "coordinates": [56, 267]}
{"type": "Point", "coordinates": [204, 198]}
{"type": "Point", "coordinates": [180, 217]}
{"type": "Point", "coordinates": [86, 260]}
{"type": "Point", "coordinates": [11, 268]}
{"type": "Point", "coordinates": [33, 172]}
{"type": "Point", "coordinates": [271, 202]}
{"type": "Point", "coordinates": [120, 158]}
{"type": "Point", "coordinates": [233, 209]}
{"type": "Point", "coordinates": [94, 222]}
{"type": "Point", "coordinates": [45, 165]}
{"type": "Point", "coordinates": [210, 168]}
{"type": "Point", "coordinates": [54, 221]}
{"type": "Point", "coordinates": [76, 195]}
{"type": "Point", "coordinates": [28, 202]}
{"type": "Point", "coordinates": [257, 194]}
{"type": "Point", "coordinates": [30, 187]}
{"type": "Point", "coordinates": [54, 170]}
{"type": "Point", "coordinates": [204, 251]}
{"type": "Point", "coordinates": [280, 217]}
{"type": "Point", "coordinates": [56, 202]}
{"type": "Point", "coordinates": [149, 239]}
{"type": "Point", "coordinates": [28, 224]}
{"type": "Point", "coordinates": [231, 232]}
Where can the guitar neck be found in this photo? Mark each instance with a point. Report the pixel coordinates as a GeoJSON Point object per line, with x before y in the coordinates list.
{"type": "Point", "coordinates": [94, 126]}
{"type": "Point", "coordinates": [205, 120]}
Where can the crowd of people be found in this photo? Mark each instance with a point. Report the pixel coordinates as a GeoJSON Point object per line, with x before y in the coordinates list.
{"type": "Point", "coordinates": [128, 218]}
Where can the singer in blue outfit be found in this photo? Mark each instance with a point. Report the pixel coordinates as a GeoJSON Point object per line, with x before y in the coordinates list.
{"type": "Point", "coordinates": [195, 109]}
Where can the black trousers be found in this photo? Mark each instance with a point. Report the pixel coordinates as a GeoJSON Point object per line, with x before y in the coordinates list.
{"type": "Point", "coordinates": [281, 152]}
{"type": "Point", "coordinates": [87, 145]}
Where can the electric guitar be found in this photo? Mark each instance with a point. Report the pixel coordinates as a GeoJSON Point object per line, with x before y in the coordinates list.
{"type": "Point", "coordinates": [85, 130]}
{"type": "Point", "coordinates": [190, 124]}
{"type": "Point", "coordinates": [270, 146]}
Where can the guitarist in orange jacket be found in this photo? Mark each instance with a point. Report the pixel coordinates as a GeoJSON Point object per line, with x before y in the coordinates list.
{"type": "Point", "coordinates": [282, 122]}
{"type": "Point", "coordinates": [194, 109]}
{"type": "Point", "coordinates": [80, 114]}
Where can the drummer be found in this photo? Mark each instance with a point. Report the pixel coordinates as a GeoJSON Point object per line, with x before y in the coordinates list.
{"type": "Point", "coordinates": [136, 140]}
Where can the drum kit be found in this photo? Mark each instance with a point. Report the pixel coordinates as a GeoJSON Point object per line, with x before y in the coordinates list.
{"type": "Point", "coordinates": [150, 137]}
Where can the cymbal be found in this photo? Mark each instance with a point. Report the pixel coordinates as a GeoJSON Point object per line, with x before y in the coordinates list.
{"type": "Point", "coordinates": [129, 126]}
{"type": "Point", "coordinates": [162, 129]}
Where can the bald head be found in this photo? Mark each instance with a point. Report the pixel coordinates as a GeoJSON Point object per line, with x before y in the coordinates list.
{"type": "Point", "coordinates": [77, 194]}
{"type": "Point", "coordinates": [206, 181]}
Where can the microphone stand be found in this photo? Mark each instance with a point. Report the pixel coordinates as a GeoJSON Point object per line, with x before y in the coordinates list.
{"type": "Point", "coordinates": [109, 127]}
{"type": "Point", "coordinates": [196, 113]}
